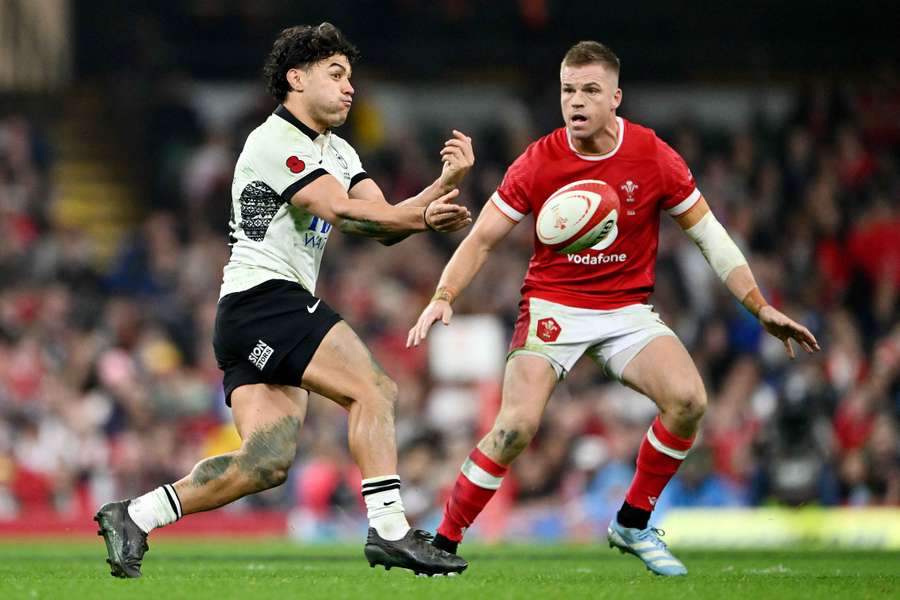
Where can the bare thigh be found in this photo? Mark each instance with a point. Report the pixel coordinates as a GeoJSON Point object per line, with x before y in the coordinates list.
{"type": "Point", "coordinates": [344, 370]}
{"type": "Point", "coordinates": [260, 406]}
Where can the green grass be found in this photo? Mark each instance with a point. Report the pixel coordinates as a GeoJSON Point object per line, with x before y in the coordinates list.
{"type": "Point", "coordinates": [275, 569]}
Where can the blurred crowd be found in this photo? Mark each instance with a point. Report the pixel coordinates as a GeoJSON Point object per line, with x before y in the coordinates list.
{"type": "Point", "coordinates": [108, 385]}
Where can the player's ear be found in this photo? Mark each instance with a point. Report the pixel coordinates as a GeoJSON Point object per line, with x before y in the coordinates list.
{"type": "Point", "coordinates": [296, 79]}
{"type": "Point", "coordinates": [617, 98]}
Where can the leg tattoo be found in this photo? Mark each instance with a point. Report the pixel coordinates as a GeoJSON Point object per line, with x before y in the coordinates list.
{"type": "Point", "coordinates": [268, 453]}
{"type": "Point", "coordinates": [509, 438]}
{"type": "Point", "coordinates": [209, 469]}
{"type": "Point", "coordinates": [264, 459]}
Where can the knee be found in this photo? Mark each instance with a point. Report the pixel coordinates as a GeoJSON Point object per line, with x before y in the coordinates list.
{"type": "Point", "coordinates": [388, 390]}
{"type": "Point", "coordinates": [381, 393]}
{"type": "Point", "coordinates": [514, 431]}
{"type": "Point", "coordinates": [688, 400]}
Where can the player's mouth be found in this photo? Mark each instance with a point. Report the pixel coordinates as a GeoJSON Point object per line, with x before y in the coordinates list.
{"type": "Point", "coordinates": [347, 103]}
{"type": "Point", "coordinates": [577, 119]}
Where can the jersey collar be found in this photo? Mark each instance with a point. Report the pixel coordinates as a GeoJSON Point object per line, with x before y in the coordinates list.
{"type": "Point", "coordinates": [621, 136]}
{"type": "Point", "coordinates": [285, 114]}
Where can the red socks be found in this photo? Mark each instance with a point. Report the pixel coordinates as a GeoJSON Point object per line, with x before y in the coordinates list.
{"type": "Point", "coordinates": [479, 478]}
{"type": "Point", "coordinates": [658, 459]}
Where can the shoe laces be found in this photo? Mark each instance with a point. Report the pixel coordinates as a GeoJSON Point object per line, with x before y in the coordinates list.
{"type": "Point", "coordinates": [654, 534]}
{"type": "Point", "coordinates": [429, 548]}
{"type": "Point", "coordinates": [423, 535]}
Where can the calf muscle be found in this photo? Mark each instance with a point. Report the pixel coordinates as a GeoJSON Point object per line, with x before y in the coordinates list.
{"type": "Point", "coordinates": [210, 469]}
{"type": "Point", "coordinates": [268, 419]}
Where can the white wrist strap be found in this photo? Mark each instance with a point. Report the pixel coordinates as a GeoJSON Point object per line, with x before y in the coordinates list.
{"type": "Point", "coordinates": [718, 248]}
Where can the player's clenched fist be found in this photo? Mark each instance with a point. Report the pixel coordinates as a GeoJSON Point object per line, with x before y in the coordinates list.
{"type": "Point", "coordinates": [438, 309]}
{"type": "Point", "coordinates": [458, 157]}
{"type": "Point", "coordinates": [445, 216]}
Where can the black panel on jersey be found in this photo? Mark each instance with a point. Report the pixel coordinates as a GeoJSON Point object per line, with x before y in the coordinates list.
{"type": "Point", "coordinates": [259, 203]}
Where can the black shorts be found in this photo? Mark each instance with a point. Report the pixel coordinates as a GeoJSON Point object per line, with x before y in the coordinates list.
{"type": "Point", "coordinates": [269, 333]}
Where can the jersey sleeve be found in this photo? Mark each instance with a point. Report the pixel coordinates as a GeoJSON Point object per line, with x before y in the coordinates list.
{"type": "Point", "coordinates": [287, 169]}
{"type": "Point", "coordinates": [512, 198]}
{"type": "Point", "coordinates": [680, 191]}
{"type": "Point", "coordinates": [357, 172]}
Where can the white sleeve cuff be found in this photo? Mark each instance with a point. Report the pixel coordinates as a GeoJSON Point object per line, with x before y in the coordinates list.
{"type": "Point", "coordinates": [686, 204]}
{"type": "Point", "coordinates": [506, 209]}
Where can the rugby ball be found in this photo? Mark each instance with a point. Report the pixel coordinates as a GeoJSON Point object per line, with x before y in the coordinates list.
{"type": "Point", "coordinates": [578, 216]}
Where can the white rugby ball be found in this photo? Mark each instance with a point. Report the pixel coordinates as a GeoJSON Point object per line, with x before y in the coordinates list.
{"type": "Point", "coordinates": [578, 216]}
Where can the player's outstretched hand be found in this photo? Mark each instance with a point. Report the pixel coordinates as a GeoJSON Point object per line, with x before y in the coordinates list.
{"type": "Point", "coordinates": [786, 329]}
{"type": "Point", "coordinates": [445, 216]}
{"type": "Point", "coordinates": [437, 310]}
{"type": "Point", "coordinates": [458, 157]}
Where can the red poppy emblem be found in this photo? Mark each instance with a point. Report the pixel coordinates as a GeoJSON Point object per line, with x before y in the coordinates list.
{"type": "Point", "coordinates": [295, 164]}
{"type": "Point", "coordinates": [548, 329]}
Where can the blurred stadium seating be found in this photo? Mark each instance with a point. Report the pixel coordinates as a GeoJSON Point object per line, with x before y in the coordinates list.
{"type": "Point", "coordinates": [115, 187]}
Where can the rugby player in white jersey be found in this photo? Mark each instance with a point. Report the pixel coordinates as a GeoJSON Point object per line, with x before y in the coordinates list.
{"type": "Point", "coordinates": [274, 339]}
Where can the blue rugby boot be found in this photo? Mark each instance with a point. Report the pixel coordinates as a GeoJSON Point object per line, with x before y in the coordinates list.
{"type": "Point", "coordinates": [647, 546]}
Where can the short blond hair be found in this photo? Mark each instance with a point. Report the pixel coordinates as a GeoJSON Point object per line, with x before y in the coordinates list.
{"type": "Point", "coordinates": [589, 52]}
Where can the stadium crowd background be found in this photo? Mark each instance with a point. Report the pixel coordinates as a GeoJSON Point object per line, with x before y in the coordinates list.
{"type": "Point", "coordinates": [108, 385]}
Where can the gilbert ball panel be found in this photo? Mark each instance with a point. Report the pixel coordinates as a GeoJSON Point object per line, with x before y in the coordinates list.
{"type": "Point", "coordinates": [579, 215]}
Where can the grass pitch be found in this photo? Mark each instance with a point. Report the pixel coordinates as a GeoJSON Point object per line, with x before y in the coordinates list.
{"type": "Point", "coordinates": [248, 570]}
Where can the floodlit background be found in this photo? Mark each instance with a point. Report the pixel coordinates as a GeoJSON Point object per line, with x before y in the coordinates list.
{"type": "Point", "coordinates": [119, 126]}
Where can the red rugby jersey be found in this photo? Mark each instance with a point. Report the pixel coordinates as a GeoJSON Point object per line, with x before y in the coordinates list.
{"type": "Point", "coordinates": [649, 177]}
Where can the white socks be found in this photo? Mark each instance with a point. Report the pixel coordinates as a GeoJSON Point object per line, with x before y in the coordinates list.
{"type": "Point", "coordinates": [386, 515]}
{"type": "Point", "coordinates": [382, 495]}
{"type": "Point", "coordinates": [155, 509]}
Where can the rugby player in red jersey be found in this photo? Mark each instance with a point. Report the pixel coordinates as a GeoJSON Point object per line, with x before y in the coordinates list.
{"type": "Point", "coordinates": [595, 302]}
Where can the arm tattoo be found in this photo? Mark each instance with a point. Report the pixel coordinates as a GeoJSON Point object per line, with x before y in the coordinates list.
{"type": "Point", "coordinates": [372, 229]}
{"type": "Point", "coordinates": [363, 227]}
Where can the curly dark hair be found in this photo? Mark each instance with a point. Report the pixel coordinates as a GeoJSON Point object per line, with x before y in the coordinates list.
{"type": "Point", "coordinates": [297, 48]}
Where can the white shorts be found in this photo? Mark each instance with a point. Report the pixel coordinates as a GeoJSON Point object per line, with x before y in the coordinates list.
{"type": "Point", "coordinates": [562, 334]}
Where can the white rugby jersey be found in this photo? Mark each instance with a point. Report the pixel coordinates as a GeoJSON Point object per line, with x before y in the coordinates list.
{"type": "Point", "coordinates": [270, 238]}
